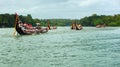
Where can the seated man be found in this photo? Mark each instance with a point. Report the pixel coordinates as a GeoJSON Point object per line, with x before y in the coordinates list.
{"type": "Point", "coordinates": [38, 26]}
{"type": "Point", "coordinates": [24, 28]}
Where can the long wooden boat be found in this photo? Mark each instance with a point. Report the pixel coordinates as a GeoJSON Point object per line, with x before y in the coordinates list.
{"type": "Point", "coordinates": [21, 32]}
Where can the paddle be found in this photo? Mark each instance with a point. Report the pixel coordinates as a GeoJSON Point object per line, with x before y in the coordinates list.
{"type": "Point", "coordinates": [16, 19]}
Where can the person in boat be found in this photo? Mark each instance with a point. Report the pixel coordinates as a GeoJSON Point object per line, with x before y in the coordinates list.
{"type": "Point", "coordinates": [21, 25]}
{"type": "Point", "coordinates": [29, 26]}
{"type": "Point", "coordinates": [73, 26]}
{"type": "Point", "coordinates": [78, 27]}
{"type": "Point", "coordinates": [49, 28]}
{"type": "Point", "coordinates": [39, 29]}
{"type": "Point", "coordinates": [24, 27]}
{"type": "Point", "coordinates": [54, 27]}
{"type": "Point", "coordinates": [38, 26]}
{"type": "Point", "coordinates": [98, 26]}
{"type": "Point", "coordinates": [101, 25]}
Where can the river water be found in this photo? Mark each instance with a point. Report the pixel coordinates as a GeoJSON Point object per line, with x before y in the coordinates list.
{"type": "Point", "coordinates": [90, 47]}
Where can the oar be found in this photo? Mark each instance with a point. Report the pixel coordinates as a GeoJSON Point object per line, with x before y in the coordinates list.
{"type": "Point", "coordinates": [16, 17]}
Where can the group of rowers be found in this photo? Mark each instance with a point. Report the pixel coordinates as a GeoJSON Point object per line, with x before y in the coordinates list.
{"type": "Point", "coordinates": [28, 28]}
{"type": "Point", "coordinates": [76, 26]}
{"type": "Point", "coordinates": [100, 25]}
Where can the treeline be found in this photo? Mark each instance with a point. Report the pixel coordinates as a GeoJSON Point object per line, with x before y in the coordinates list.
{"type": "Point", "coordinates": [101, 19]}
{"type": "Point", "coordinates": [56, 22]}
{"type": "Point", "coordinates": [7, 20]}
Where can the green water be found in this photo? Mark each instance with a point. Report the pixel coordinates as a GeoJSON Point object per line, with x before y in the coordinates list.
{"type": "Point", "coordinates": [90, 47]}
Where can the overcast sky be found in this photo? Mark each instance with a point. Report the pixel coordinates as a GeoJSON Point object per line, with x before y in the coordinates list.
{"type": "Point", "coordinates": [48, 9]}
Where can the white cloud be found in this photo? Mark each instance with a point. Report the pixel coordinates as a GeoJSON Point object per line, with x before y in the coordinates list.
{"type": "Point", "coordinates": [88, 2]}
{"type": "Point", "coordinates": [83, 3]}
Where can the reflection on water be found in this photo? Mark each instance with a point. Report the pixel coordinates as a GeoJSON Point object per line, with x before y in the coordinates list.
{"type": "Point", "coordinates": [90, 47]}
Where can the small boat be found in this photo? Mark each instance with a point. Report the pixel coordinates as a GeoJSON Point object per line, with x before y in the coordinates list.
{"type": "Point", "coordinates": [22, 32]}
{"type": "Point", "coordinates": [100, 25]}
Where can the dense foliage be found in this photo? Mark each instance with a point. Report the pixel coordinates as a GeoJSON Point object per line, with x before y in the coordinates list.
{"type": "Point", "coordinates": [7, 20]}
{"type": "Point", "coordinates": [100, 19]}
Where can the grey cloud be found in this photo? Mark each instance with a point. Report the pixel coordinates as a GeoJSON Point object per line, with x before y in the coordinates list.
{"type": "Point", "coordinates": [59, 8]}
